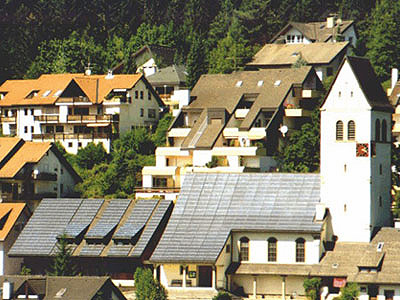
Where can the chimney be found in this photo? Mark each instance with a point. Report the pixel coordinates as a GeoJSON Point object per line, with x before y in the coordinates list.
{"type": "Point", "coordinates": [395, 77]}
{"type": "Point", "coordinates": [330, 22]}
{"type": "Point", "coordinates": [7, 290]}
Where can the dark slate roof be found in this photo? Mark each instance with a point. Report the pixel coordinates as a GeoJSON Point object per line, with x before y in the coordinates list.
{"type": "Point", "coordinates": [368, 81]}
{"type": "Point", "coordinates": [63, 287]}
{"type": "Point", "coordinates": [174, 74]}
{"type": "Point", "coordinates": [93, 224]}
{"type": "Point", "coordinates": [210, 206]}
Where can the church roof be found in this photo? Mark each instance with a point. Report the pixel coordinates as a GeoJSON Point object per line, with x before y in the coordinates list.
{"type": "Point", "coordinates": [211, 206]}
{"type": "Point", "coordinates": [368, 81]}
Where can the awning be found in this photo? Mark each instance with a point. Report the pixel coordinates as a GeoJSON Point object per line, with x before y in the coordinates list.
{"type": "Point", "coordinates": [98, 124]}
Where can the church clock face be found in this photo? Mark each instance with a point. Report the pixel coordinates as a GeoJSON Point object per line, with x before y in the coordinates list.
{"type": "Point", "coordinates": [362, 150]}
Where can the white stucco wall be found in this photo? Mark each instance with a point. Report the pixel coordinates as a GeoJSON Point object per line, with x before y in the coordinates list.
{"type": "Point", "coordinates": [346, 180]}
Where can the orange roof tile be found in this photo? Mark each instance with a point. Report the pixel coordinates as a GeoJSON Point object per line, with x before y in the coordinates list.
{"type": "Point", "coordinates": [6, 145]}
{"type": "Point", "coordinates": [18, 90]}
{"type": "Point", "coordinates": [9, 213]}
{"type": "Point", "coordinates": [30, 152]}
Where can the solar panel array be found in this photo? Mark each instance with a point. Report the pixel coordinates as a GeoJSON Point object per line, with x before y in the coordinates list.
{"type": "Point", "coordinates": [83, 217]}
{"type": "Point", "coordinates": [109, 219]}
{"type": "Point", "coordinates": [151, 227]}
{"type": "Point", "coordinates": [138, 218]}
{"type": "Point", "coordinates": [49, 220]}
{"type": "Point", "coordinates": [210, 206]}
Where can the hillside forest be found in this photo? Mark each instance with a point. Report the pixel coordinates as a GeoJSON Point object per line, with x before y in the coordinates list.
{"type": "Point", "coordinates": [55, 36]}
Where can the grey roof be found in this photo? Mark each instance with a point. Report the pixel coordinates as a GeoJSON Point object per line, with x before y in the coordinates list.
{"type": "Point", "coordinates": [173, 75]}
{"type": "Point", "coordinates": [210, 206]}
{"type": "Point", "coordinates": [109, 219]}
{"type": "Point", "coordinates": [73, 216]}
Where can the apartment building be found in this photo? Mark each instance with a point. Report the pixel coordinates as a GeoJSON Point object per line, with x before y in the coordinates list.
{"type": "Point", "coordinates": [76, 109]}
{"type": "Point", "coordinates": [235, 123]}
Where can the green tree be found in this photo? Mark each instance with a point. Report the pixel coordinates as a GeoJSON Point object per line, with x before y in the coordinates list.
{"type": "Point", "coordinates": [62, 264]}
{"type": "Point", "coordinates": [349, 292]}
{"type": "Point", "coordinates": [383, 49]}
{"type": "Point", "coordinates": [91, 155]}
{"type": "Point", "coordinates": [147, 288]}
{"type": "Point", "coordinates": [159, 137]}
{"type": "Point", "coordinates": [311, 287]}
{"type": "Point", "coordinates": [222, 296]}
{"type": "Point", "coordinates": [196, 62]}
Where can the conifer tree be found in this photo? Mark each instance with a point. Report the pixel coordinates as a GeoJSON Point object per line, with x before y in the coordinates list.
{"type": "Point", "coordinates": [62, 264]}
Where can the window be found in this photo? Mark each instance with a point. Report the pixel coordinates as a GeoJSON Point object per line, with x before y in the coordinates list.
{"type": "Point", "coordinates": [339, 131]}
{"type": "Point", "coordinates": [59, 128]}
{"type": "Point", "coordinates": [300, 242]}
{"type": "Point", "coordinates": [25, 111]}
{"type": "Point", "coordinates": [69, 144]}
{"type": "Point", "coordinates": [384, 129]}
{"type": "Point", "coordinates": [141, 94]}
{"type": "Point", "coordinates": [351, 130]}
{"type": "Point", "coordinates": [272, 249]}
{"type": "Point", "coordinates": [228, 248]}
{"type": "Point", "coordinates": [32, 129]}
{"type": "Point", "coordinates": [49, 129]}
{"type": "Point", "coordinates": [340, 94]}
{"type": "Point", "coordinates": [329, 71]}
{"type": "Point", "coordinates": [350, 39]}
{"type": "Point", "coordinates": [152, 113]}
{"type": "Point", "coordinates": [25, 129]}
{"type": "Point", "coordinates": [380, 201]}
{"type": "Point", "coordinates": [61, 188]}
{"type": "Point", "coordinates": [136, 94]}
{"type": "Point", "coordinates": [377, 130]}
{"type": "Point", "coordinates": [141, 112]}
{"type": "Point", "coordinates": [32, 112]}
{"type": "Point", "coordinates": [244, 249]}
{"type": "Point", "coordinates": [79, 144]}
{"type": "Point", "coordinates": [380, 169]}
{"type": "Point", "coordinates": [148, 95]}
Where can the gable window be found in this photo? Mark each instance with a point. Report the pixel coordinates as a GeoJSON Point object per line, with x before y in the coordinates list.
{"type": "Point", "coordinates": [141, 94]}
{"type": "Point", "coordinates": [329, 71]}
{"type": "Point", "coordinates": [351, 130]}
{"type": "Point", "coordinates": [141, 112]}
{"type": "Point", "coordinates": [339, 131]}
{"type": "Point", "coordinates": [136, 94]}
{"type": "Point", "coordinates": [272, 249]}
{"type": "Point", "coordinates": [384, 129]}
{"type": "Point", "coordinates": [377, 130]}
{"type": "Point", "coordinates": [244, 249]}
{"type": "Point", "coordinates": [300, 255]}
{"type": "Point", "coordinates": [148, 95]}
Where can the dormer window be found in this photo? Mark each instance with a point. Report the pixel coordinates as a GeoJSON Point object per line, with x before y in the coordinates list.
{"type": "Point", "coordinates": [58, 93]}
{"type": "Point", "coordinates": [260, 83]}
{"type": "Point", "coordinates": [379, 247]}
{"type": "Point", "coordinates": [2, 95]}
{"type": "Point", "coordinates": [32, 94]}
{"type": "Point", "coordinates": [239, 83]}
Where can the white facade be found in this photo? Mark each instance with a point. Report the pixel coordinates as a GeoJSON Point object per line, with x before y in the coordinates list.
{"type": "Point", "coordinates": [354, 187]}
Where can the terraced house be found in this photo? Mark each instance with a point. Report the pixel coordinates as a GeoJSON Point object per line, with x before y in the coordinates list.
{"type": "Point", "coordinates": [235, 123]}
{"type": "Point", "coordinates": [76, 109]}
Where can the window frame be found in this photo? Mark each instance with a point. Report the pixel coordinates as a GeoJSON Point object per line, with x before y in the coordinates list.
{"type": "Point", "coordinates": [272, 249]}
{"type": "Point", "coordinates": [351, 130]}
{"type": "Point", "coordinates": [300, 250]}
{"type": "Point", "coordinates": [339, 131]}
{"type": "Point", "coordinates": [244, 249]}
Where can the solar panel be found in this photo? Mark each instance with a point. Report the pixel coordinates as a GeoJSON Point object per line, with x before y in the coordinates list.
{"type": "Point", "coordinates": [137, 219]}
{"type": "Point", "coordinates": [151, 227]}
{"type": "Point", "coordinates": [109, 219]}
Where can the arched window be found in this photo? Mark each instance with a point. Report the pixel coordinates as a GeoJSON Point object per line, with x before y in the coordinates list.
{"type": "Point", "coordinates": [272, 253]}
{"type": "Point", "coordinates": [351, 130]}
{"type": "Point", "coordinates": [300, 253]}
{"type": "Point", "coordinates": [339, 131]}
{"type": "Point", "coordinates": [244, 249]}
{"type": "Point", "coordinates": [377, 130]}
{"type": "Point", "coordinates": [384, 130]}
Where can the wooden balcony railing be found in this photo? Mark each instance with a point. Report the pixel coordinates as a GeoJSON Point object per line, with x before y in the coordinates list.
{"type": "Point", "coordinates": [70, 136]}
{"type": "Point", "coordinates": [79, 118]}
{"type": "Point", "coordinates": [47, 119]}
{"type": "Point", "coordinates": [8, 119]}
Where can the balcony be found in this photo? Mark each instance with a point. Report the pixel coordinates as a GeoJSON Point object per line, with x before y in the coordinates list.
{"type": "Point", "coordinates": [297, 112]}
{"type": "Point", "coordinates": [171, 151]}
{"type": "Point", "coordinates": [241, 113]}
{"type": "Point", "coordinates": [12, 119]}
{"type": "Point", "coordinates": [71, 136]}
{"type": "Point", "coordinates": [238, 151]}
{"type": "Point", "coordinates": [159, 171]}
{"type": "Point", "coordinates": [310, 94]}
{"type": "Point", "coordinates": [255, 133]}
{"type": "Point", "coordinates": [45, 176]}
{"type": "Point", "coordinates": [47, 119]}
{"type": "Point", "coordinates": [179, 132]}
{"type": "Point", "coordinates": [92, 118]}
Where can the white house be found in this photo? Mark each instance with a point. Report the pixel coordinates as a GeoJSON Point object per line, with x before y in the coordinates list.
{"type": "Point", "coordinates": [30, 171]}
{"type": "Point", "coordinates": [77, 109]}
{"type": "Point", "coordinates": [332, 30]}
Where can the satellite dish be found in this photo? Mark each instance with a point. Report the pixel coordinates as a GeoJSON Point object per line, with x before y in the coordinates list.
{"type": "Point", "coordinates": [283, 129]}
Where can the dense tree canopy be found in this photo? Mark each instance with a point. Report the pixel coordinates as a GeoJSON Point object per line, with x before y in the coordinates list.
{"type": "Point", "coordinates": [41, 36]}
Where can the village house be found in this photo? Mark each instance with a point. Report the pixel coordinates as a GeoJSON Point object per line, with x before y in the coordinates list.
{"type": "Point", "coordinates": [13, 217]}
{"type": "Point", "coordinates": [59, 287]}
{"type": "Point", "coordinates": [76, 109]}
{"type": "Point", "coordinates": [263, 234]}
{"type": "Point", "coordinates": [105, 236]}
{"type": "Point", "coordinates": [235, 123]}
{"type": "Point", "coordinates": [31, 171]}
{"type": "Point", "coordinates": [332, 30]}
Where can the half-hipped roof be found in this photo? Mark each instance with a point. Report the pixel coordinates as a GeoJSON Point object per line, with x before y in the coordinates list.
{"type": "Point", "coordinates": [288, 54]}
{"type": "Point", "coordinates": [211, 206]}
{"type": "Point", "coordinates": [314, 31]}
{"type": "Point", "coordinates": [9, 214]}
{"type": "Point", "coordinates": [49, 88]}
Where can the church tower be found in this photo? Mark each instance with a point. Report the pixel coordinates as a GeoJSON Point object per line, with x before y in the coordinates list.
{"type": "Point", "coordinates": [356, 152]}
